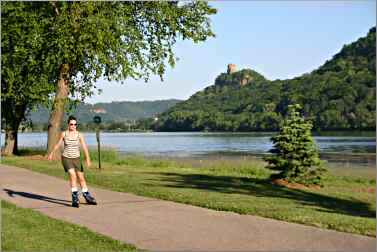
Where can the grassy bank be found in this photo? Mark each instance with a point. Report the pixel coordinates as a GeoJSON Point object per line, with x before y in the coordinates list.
{"type": "Point", "coordinates": [346, 202]}
{"type": "Point", "coordinates": [27, 230]}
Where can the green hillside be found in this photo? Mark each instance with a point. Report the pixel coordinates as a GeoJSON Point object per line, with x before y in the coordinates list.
{"type": "Point", "coordinates": [341, 94]}
{"type": "Point", "coordinates": [110, 112]}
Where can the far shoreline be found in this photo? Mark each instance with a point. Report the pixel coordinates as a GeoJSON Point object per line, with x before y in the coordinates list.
{"type": "Point", "coordinates": [330, 132]}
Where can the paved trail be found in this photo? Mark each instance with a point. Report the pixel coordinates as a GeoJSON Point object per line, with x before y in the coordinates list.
{"type": "Point", "coordinates": [162, 225]}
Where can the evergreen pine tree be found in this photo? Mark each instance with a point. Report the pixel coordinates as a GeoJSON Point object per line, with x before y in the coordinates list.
{"type": "Point", "coordinates": [294, 152]}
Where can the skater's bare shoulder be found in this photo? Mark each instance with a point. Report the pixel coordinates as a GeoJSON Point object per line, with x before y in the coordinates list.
{"type": "Point", "coordinates": [81, 136]}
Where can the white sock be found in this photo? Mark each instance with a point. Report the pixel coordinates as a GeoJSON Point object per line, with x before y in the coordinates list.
{"type": "Point", "coordinates": [84, 189]}
{"type": "Point", "coordinates": [74, 189]}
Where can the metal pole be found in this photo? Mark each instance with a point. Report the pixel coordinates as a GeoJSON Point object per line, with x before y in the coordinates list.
{"type": "Point", "coordinates": [99, 148]}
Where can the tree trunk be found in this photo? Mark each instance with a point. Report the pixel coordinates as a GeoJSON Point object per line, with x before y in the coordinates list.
{"type": "Point", "coordinates": [56, 116]}
{"type": "Point", "coordinates": [10, 146]}
{"type": "Point", "coordinates": [13, 117]}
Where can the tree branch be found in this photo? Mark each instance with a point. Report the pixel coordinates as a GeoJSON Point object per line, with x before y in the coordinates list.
{"type": "Point", "coordinates": [55, 7]}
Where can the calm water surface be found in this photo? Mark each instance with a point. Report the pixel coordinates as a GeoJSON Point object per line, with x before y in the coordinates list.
{"type": "Point", "coordinates": [188, 144]}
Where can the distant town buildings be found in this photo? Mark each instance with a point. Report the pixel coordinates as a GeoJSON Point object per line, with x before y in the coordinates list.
{"type": "Point", "coordinates": [98, 111]}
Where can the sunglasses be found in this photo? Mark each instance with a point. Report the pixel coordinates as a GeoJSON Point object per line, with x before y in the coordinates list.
{"type": "Point", "coordinates": [72, 124]}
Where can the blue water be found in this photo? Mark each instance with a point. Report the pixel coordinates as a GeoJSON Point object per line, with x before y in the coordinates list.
{"type": "Point", "coordinates": [188, 144]}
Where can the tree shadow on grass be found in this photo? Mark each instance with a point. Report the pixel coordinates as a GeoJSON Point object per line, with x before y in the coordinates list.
{"type": "Point", "coordinates": [264, 188]}
{"type": "Point", "coordinates": [31, 151]}
{"type": "Point", "coordinates": [12, 193]}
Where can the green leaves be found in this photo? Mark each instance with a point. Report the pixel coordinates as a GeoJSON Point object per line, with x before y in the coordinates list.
{"type": "Point", "coordinates": [114, 40]}
{"type": "Point", "coordinates": [26, 76]}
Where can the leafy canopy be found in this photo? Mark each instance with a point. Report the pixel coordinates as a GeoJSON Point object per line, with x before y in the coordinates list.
{"type": "Point", "coordinates": [115, 40]}
{"type": "Point", "coordinates": [25, 78]}
{"type": "Point", "coordinates": [119, 40]}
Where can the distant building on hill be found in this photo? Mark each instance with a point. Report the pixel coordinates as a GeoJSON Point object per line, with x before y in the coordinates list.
{"type": "Point", "coordinates": [231, 68]}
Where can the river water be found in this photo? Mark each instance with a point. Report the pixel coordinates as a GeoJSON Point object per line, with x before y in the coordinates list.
{"type": "Point", "coordinates": [191, 144]}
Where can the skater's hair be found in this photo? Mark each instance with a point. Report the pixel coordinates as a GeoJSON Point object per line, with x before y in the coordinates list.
{"type": "Point", "coordinates": [70, 118]}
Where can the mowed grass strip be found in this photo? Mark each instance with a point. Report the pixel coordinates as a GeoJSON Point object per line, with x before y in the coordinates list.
{"type": "Point", "coordinates": [345, 203]}
{"type": "Point", "coordinates": [28, 230]}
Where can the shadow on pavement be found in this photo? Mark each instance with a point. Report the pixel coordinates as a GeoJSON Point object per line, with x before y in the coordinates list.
{"type": "Point", "coordinates": [12, 193]}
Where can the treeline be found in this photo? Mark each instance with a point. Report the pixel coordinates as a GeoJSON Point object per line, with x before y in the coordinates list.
{"type": "Point", "coordinates": [110, 112]}
{"type": "Point", "coordinates": [340, 95]}
{"type": "Point", "coordinates": [139, 125]}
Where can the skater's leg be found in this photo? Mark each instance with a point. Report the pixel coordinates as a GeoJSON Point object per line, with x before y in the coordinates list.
{"type": "Point", "coordinates": [88, 197]}
{"type": "Point", "coordinates": [80, 176]}
{"type": "Point", "coordinates": [73, 183]}
{"type": "Point", "coordinates": [72, 178]}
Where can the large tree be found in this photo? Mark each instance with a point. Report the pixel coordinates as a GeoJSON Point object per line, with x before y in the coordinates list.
{"type": "Point", "coordinates": [73, 44]}
{"type": "Point", "coordinates": [116, 41]}
{"type": "Point", "coordinates": [25, 78]}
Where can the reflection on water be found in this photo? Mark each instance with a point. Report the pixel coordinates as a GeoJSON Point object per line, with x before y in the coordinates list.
{"type": "Point", "coordinates": [199, 144]}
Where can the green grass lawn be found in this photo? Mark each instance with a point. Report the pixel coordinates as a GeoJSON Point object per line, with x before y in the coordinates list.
{"type": "Point", "coordinates": [345, 203]}
{"type": "Point", "coordinates": [27, 230]}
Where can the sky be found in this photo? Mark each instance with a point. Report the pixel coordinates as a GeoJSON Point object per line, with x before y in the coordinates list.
{"type": "Point", "coordinates": [278, 39]}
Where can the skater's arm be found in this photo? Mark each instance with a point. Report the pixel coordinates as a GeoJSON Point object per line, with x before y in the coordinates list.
{"type": "Point", "coordinates": [86, 152]}
{"type": "Point", "coordinates": [57, 145]}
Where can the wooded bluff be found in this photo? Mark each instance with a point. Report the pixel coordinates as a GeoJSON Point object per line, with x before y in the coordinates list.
{"type": "Point", "coordinates": [339, 95]}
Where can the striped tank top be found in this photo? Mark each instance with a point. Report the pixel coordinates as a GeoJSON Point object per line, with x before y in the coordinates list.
{"type": "Point", "coordinates": [71, 146]}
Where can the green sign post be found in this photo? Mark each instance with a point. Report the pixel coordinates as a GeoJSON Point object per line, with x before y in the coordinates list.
{"type": "Point", "coordinates": [97, 121]}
